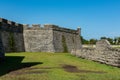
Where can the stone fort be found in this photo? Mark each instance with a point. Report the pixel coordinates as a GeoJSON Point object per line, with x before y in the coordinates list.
{"type": "Point", "coordinates": [15, 37]}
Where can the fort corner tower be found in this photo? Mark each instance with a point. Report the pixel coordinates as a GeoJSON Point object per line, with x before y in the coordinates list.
{"type": "Point", "coordinates": [51, 38]}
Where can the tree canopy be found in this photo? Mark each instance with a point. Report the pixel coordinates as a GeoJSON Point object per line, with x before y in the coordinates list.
{"type": "Point", "coordinates": [113, 41]}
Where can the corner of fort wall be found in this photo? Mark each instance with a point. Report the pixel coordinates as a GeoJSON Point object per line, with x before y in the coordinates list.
{"type": "Point", "coordinates": [17, 37]}
{"type": "Point", "coordinates": [10, 26]}
{"type": "Point", "coordinates": [51, 37]}
{"type": "Point", "coordinates": [11, 36]}
{"type": "Point", "coordinates": [38, 39]}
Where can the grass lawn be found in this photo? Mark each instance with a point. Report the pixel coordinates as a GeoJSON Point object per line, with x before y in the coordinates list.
{"type": "Point", "coordinates": [54, 66]}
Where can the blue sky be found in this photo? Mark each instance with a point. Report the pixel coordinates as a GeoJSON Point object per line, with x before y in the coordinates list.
{"type": "Point", "coordinates": [96, 17]}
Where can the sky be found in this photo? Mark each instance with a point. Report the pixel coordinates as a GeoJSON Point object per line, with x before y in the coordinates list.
{"type": "Point", "coordinates": [96, 18]}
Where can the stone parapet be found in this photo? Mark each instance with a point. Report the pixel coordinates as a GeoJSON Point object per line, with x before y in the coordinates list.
{"type": "Point", "coordinates": [17, 37]}
{"type": "Point", "coordinates": [61, 29]}
{"type": "Point", "coordinates": [51, 26]}
{"type": "Point", "coordinates": [10, 26]}
{"type": "Point", "coordinates": [33, 27]}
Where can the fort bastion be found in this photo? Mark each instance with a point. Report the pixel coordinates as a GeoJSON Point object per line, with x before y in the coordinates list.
{"type": "Point", "coordinates": [15, 37]}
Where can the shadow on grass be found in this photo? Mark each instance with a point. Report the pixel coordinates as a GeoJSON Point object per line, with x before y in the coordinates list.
{"type": "Point", "coordinates": [13, 63]}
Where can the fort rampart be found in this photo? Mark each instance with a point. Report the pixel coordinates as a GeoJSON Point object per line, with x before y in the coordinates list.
{"type": "Point", "coordinates": [15, 37]}
{"type": "Point", "coordinates": [51, 38]}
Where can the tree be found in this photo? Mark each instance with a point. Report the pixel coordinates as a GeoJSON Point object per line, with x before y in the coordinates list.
{"type": "Point", "coordinates": [92, 41]}
{"type": "Point", "coordinates": [109, 39]}
{"type": "Point", "coordinates": [103, 37]}
{"type": "Point", "coordinates": [84, 41]}
{"type": "Point", "coordinates": [117, 40]}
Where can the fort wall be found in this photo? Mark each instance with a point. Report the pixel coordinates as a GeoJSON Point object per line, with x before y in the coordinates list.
{"type": "Point", "coordinates": [11, 36]}
{"type": "Point", "coordinates": [15, 37]}
{"type": "Point", "coordinates": [38, 39]}
{"type": "Point", "coordinates": [50, 38]}
{"type": "Point", "coordinates": [65, 41]}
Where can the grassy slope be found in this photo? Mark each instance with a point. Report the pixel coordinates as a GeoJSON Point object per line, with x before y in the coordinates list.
{"type": "Point", "coordinates": [50, 68]}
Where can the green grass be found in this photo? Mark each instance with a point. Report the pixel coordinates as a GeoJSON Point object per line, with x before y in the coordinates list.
{"type": "Point", "coordinates": [49, 66]}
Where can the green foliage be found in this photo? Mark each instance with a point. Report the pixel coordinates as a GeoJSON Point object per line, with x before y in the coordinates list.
{"type": "Point", "coordinates": [111, 40]}
{"type": "Point", "coordinates": [50, 67]}
{"type": "Point", "coordinates": [11, 42]}
{"type": "Point", "coordinates": [117, 40]}
{"type": "Point", "coordinates": [91, 41]}
{"type": "Point", "coordinates": [64, 44]}
{"type": "Point", "coordinates": [103, 37]}
{"type": "Point", "coordinates": [84, 41]}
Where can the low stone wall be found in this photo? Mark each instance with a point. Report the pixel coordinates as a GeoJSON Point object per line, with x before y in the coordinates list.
{"type": "Point", "coordinates": [110, 56]}
{"type": "Point", "coordinates": [93, 46]}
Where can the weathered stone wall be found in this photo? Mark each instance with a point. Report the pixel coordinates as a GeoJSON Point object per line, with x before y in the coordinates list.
{"type": "Point", "coordinates": [62, 41]}
{"type": "Point", "coordinates": [65, 42]}
{"type": "Point", "coordinates": [12, 36]}
{"type": "Point", "coordinates": [16, 37]}
{"type": "Point", "coordinates": [50, 38]}
{"type": "Point", "coordinates": [104, 54]}
{"type": "Point", "coordinates": [2, 52]}
{"type": "Point", "coordinates": [103, 45]}
{"type": "Point", "coordinates": [38, 39]}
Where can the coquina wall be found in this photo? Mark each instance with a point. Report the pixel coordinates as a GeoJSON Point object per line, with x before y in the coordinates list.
{"type": "Point", "coordinates": [2, 52]}
{"type": "Point", "coordinates": [51, 38]}
{"type": "Point", "coordinates": [65, 40]}
{"type": "Point", "coordinates": [103, 53]}
{"type": "Point", "coordinates": [38, 39]}
{"type": "Point", "coordinates": [16, 37]}
{"type": "Point", "coordinates": [11, 36]}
